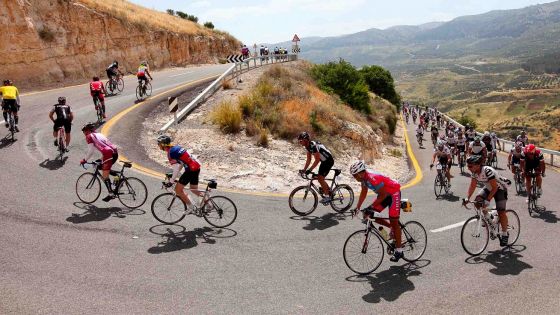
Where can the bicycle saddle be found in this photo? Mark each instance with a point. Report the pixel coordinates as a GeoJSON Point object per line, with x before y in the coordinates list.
{"type": "Point", "coordinates": [337, 172]}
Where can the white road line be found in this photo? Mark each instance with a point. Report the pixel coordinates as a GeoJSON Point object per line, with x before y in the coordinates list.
{"type": "Point", "coordinates": [449, 227]}
{"type": "Point", "coordinates": [180, 74]}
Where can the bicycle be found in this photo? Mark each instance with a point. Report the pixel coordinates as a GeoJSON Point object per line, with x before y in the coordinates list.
{"type": "Point", "coordinates": [98, 109]}
{"type": "Point", "coordinates": [492, 162]}
{"type": "Point", "coordinates": [303, 199]}
{"type": "Point", "coordinates": [434, 139]}
{"type": "Point", "coordinates": [461, 161]}
{"type": "Point", "coordinates": [143, 90]}
{"type": "Point", "coordinates": [12, 125]}
{"type": "Point", "coordinates": [441, 183]}
{"type": "Point", "coordinates": [363, 250]}
{"type": "Point", "coordinates": [168, 208]}
{"type": "Point", "coordinates": [534, 195]}
{"type": "Point", "coordinates": [115, 85]}
{"type": "Point", "coordinates": [131, 191]}
{"type": "Point", "coordinates": [61, 136]}
{"type": "Point", "coordinates": [419, 138]}
{"type": "Point", "coordinates": [478, 229]}
{"type": "Point", "coordinates": [518, 179]}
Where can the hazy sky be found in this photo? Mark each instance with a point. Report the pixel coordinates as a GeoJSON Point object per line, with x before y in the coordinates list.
{"type": "Point", "coordinates": [272, 21]}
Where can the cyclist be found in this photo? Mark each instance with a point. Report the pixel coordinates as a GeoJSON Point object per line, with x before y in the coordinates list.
{"type": "Point", "coordinates": [461, 143]}
{"type": "Point", "coordinates": [495, 141]}
{"type": "Point", "coordinates": [414, 116]}
{"type": "Point", "coordinates": [179, 158]}
{"type": "Point", "coordinates": [470, 133]}
{"type": "Point", "coordinates": [322, 155]}
{"type": "Point", "coordinates": [477, 148]}
{"type": "Point", "coordinates": [97, 90]}
{"type": "Point", "coordinates": [442, 153]}
{"type": "Point", "coordinates": [532, 159]}
{"type": "Point", "coordinates": [514, 157]}
{"type": "Point", "coordinates": [452, 143]}
{"type": "Point", "coordinates": [494, 187]}
{"type": "Point", "coordinates": [108, 151]}
{"type": "Point", "coordinates": [143, 70]}
{"type": "Point", "coordinates": [435, 132]}
{"type": "Point", "coordinates": [388, 195]}
{"type": "Point", "coordinates": [64, 117]}
{"type": "Point", "coordinates": [113, 70]}
{"type": "Point", "coordinates": [523, 138]}
{"type": "Point", "coordinates": [420, 131]}
{"type": "Point", "coordinates": [490, 150]}
{"type": "Point", "coordinates": [10, 102]}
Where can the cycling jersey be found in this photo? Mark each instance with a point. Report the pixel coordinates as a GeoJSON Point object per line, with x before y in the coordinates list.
{"type": "Point", "coordinates": [100, 142]}
{"type": "Point", "coordinates": [420, 130]}
{"type": "Point", "coordinates": [112, 67]}
{"type": "Point", "coordinates": [494, 141]}
{"type": "Point", "coordinates": [9, 92]}
{"type": "Point", "coordinates": [316, 146]}
{"type": "Point", "coordinates": [442, 155]}
{"type": "Point", "coordinates": [452, 141]}
{"type": "Point", "coordinates": [516, 156]}
{"type": "Point", "coordinates": [141, 71]}
{"type": "Point", "coordinates": [476, 148]}
{"type": "Point", "coordinates": [96, 87]}
{"type": "Point", "coordinates": [434, 131]}
{"type": "Point", "coordinates": [486, 174]}
{"type": "Point", "coordinates": [461, 141]}
{"type": "Point", "coordinates": [533, 163]}
{"type": "Point", "coordinates": [375, 182]}
{"type": "Point", "coordinates": [177, 154]}
{"type": "Point", "coordinates": [470, 134]}
{"type": "Point", "coordinates": [524, 140]}
{"type": "Point", "coordinates": [62, 111]}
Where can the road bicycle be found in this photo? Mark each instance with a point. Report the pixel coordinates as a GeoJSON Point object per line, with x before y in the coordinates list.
{"type": "Point", "coordinates": [493, 162]}
{"type": "Point", "coordinates": [434, 139]}
{"type": "Point", "coordinates": [461, 161]}
{"type": "Point", "coordinates": [478, 229]}
{"type": "Point", "coordinates": [534, 195]}
{"type": "Point", "coordinates": [441, 183]}
{"type": "Point", "coordinates": [304, 199]}
{"type": "Point", "coordinates": [363, 250]}
{"type": "Point", "coordinates": [115, 85]}
{"type": "Point", "coordinates": [518, 179]}
{"type": "Point", "coordinates": [61, 140]}
{"type": "Point", "coordinates": [131, 191]}
{"type": "Point", "coordinates": [11, 125]}
{"type": "Point", "coordinates": [98, 109]}
{"type": "Point", "coordinates": [419, 138]}
{"type": "Point", "coordinates": [143, 90]}
{"type": "Point", "coordinates": [218, 211]}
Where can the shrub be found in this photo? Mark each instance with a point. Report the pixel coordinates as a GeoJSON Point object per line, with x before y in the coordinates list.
{"type": "Point", "coordinates": [251, 129]}
{"type": "Point", "coordinates": [391, 121]}
{"type": "Point", "coordinates": [209, 25]}
{"type": "Point", "coordinates": [315, 124]}
{"type": "Point", "coordinates": [246, 105]}
{"type": "Point", "coordinates": [464, 120]}
{"type": "Point", "coordinates": [170, 11]}
{"type": "Point", "coordinates": [46, 34]}
{"type": "Point", "coordinates": [380, 81]}
{"type": "Point", "coordinates": [263, 138]}
{"type": "Point", "coordinates": [226, 84]}
{"type": "Point", "coordinates": [192, 18]}
{"type": "Point", "coordinates": [228, 117]}
{"type": "Point", "coordinates": [395, 152]}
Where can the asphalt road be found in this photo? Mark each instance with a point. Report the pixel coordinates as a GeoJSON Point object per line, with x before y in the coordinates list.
{"type": "Point", "coordinates": [61, 256]}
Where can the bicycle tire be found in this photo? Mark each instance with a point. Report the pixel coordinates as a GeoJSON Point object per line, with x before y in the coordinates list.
{"type": "Point", "coordinates": [132, 188]}
{"type": "Point", "coordinates": [148, 91]}
{"type": "Point", "coordinates": [518, 183]}
{"type": "Point", "coordinates": [138, 93]}
{"type": "Point", "coordinates": [514, 227]}
{"type": "Point", "coordinates": [473, 226]}
{"type": "Point", "coordinates": [495, 161]}
{"type": "Point", "coordinates": [438, 186]}
{"type": "Point", "coordinates": [354, 247]}
{"type": "Point", "coordinates": [337, 204]}
{"type": "Point", "coordinates": [61, 144]}
{"type": "Point", "coordinates": [416, 241]}
{"type": "Point", "coordinates": [161, 208]}
{"type": "Point", "coordinates": [12, 126]}
{"type": "Point", "coordinates": [88, 187]}
{"type": "Point", "coordinates": [120, 85]}
{"type": "Point", "coordinates": [305, 195]}
{"type": "Point", "coordinates": [221, 208]}
{"type": "Point", "coordinates": [109, 88]}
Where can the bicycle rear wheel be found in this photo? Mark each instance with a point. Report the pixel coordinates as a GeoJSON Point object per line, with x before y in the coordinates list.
{"type": "Point", "coordinates": [363, 252]}
{"type": "Point", "coordinates": [110, 88]}
{"type": "Point", "coordinates": [132, 192]}
{"type": "Point", "coordinates": [168, 208]}
{"type": "Point", "coordinates": [120, 85]}
{"type": "Point", "coordinates": [139, 95]}
{"type": "Point", "coordinates": [474, 236]}
{"type": "Point", "coordinates": [513, 228]}
{"type": "Point", "coordinates": [343, 198]}
{"type": "Point", "coordinates": [220, 211]}
{"type": "Point", "coordinates": [148, 91]}
{"type": "Point", "coordinates": [415, 241]}
{"type": "Point", "coordinates": [88, 187]}
{"type": "Point", "coordinates": [303, 200]}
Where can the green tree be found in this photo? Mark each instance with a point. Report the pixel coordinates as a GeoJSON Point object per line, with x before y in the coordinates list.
{"type": "Point", "coordinates": [170, 12]}
{"type": "Point", "coordinates": [209, 25]}
{"type": "Point", "coordinates": [182, 14]}
{"type": "Point", "coordinates": [466, 120]}
{"type": "Point", "coordinates": [192, 18]}
{"type": "Point", "coordinates": [380, 81]}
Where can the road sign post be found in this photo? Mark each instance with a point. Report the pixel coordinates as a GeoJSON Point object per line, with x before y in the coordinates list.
{"type": "Point", "coordinates": [173, 107]}
{"type": "Point", "coordinates": [295, 48]}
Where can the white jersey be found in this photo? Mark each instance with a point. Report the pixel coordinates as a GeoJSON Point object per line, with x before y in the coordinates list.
{"type": "Point", "coordinates": [442, 153]}
{"type": "Point", "coordinates": [486, 174]}
{"type": "Point", "coordinates": [476, 148]}
{"type": "Point", "coordinates": [451, 140]}
{"type": "Point", "coordinates": [419, 130]}
{"type": "Point", "coordinates": [461, 141]}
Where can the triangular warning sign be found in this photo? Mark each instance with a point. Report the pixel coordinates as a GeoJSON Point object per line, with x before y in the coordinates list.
{"type": "Point", "coordinates": [296, 38]}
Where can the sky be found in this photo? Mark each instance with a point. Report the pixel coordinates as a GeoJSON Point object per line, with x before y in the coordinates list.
{"type": "Point", "coordinates": [274, 21]}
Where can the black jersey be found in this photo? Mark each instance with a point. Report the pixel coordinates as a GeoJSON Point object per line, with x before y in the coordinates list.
{"type": "Point", "coordinates": [316, 146]}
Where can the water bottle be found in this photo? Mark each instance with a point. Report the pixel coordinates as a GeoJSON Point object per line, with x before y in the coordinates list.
{"type": "Point", "coordinates": [116, 180]}
{"type": "Point", "coordinates": [383, 233]}
{"type": "Point", "coordinates": [494, 216]}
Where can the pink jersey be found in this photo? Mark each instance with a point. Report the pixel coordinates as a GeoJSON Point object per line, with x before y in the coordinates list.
{"type": "Point", "coordinates": [100, 142]}
{"type": "Point", "coordinates": [377, 181]}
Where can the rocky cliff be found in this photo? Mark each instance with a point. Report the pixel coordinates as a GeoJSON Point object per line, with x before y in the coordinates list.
{"type": "Point", "coordinates": [64, 41]}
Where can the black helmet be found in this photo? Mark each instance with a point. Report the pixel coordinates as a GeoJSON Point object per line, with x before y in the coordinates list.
{"type": "Point", "coordinates": [89, 126]}
{"type": "Point", "coordinates": [303, 136]}
{"type": "Point", "coordinates": [163, 139]}
{"type": "Point", "coordinates": [477, 139]}
{"type": "Point", "coordinates": [7, 82]}
{"type": "Point", "coordinates": [116, 63]}
{"type": "Point", "coordinates": [62, 100]}
{"type": "Point", "coordinates": [474, 159]}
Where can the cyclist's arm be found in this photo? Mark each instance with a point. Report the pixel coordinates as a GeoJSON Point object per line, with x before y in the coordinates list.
{"type": "Point", "coordinates": [362, 198]}
{"type": "Point", "coordinates": [91, 150]}
{"type": "Point", "coordinates": [494, 183]}
{"type": "Point", "coordinates": [317, 157]}
{"type": "Point", "coordinates": [17, 98]}
{"type": "Point", "coordinates": [381, 195]}
{"type": "Point", "coordinates": [307, 161]}
{"type": "Point", "coordinates": [71, 116]}
{"type": "Point", "coordinates": [472, 187]}
{"type": "Point", "coordinates": [433, 158]}
{"type": "Point", "coordinates": [148, 73]}
{"type": "Point", "coordinates": [176, 169]}
{"type": "Point", "coordinates": [509, 158]}
{"type": "Point", "coordinates": [542, 166]}
{"type": "Point", "coordinates": [51, 114]}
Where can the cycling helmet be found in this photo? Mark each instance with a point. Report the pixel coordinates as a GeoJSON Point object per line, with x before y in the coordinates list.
{"type": "Point", "coordinates": [89, 126]}
{"type": "Point", "coordinates": [7, 82]}
{"type": "Point", "coordinates": [486, 133]}
{"type": "Point", "coordinates": [95, 78]}
{"type": "Point", "coordinates": [303, 136]}
{"type": "Point", "coordinates": [530, 148]}
{"type": "Point", "coordinates": [163, 139]}
{"type": "Point", "coordinates": [474, 159]}
{"type": "Point", "coordinates": [116, 63]}
{"type": "Point", "coordinates": [523, 133]}
{"type": "Point", "coordinates": [477, 139]}
{"type": "Point", "coordinates": [493, 135]}
{"type": "Point", "coordinates": [357, 167]}
{"type": "Point", "coordinates": [62, 100]}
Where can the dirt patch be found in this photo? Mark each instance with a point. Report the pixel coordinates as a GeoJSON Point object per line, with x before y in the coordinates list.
{"type": "Point", "coordinates": [535, 106]}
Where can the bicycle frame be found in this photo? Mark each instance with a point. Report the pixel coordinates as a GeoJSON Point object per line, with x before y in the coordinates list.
{"type": "Point", "coordinates": [205, 197]}
{"type": "Point", "coordinates": [370, 227]}
{"type": "Point", "coordinates": [61, 136]}
{"type": "Point", "coordinates": [311, 184]}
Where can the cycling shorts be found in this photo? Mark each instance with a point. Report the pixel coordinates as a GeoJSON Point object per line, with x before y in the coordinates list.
{"type": "Point", "coordinates": [142, 78]}
{"type": "Point", "coordinates": [67, 124]}
{"type": "Point", "coordinates": [461, 148]}
{"type": "Point", "coordinates": [393, 202]}
{"type": "Point", "coordinates": [489, 147]}
{"type": "Point", "coordinates": [10, 105]}
{"type": "Point", "coordinates": [111, 73]}
{"type": "Point", "coordinates": [109, 158]}
{"type": "Point", "coordinates": [189, 177]}
{"type": "Point", "coordinates": [500, 197]}
{"type": "Point", "coordinates": [325, 167]}
{"type": "Point", "coordinates": [99, 95]}
{"type": "Point", "coordinates": [515, 160]}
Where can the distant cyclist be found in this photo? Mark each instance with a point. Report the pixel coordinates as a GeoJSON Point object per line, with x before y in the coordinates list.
{"type": "Point", "coordinates": [532, 159]}
{"type": "Point", "coordinates": [97, 90]}
{"type": "Point", "coordinates": [143, 73]}
{"type": "Point", "coordinates": [321, 155]}
{"type": "Point", "coordinates": [477, 148]}
{"type": "Point", "coordinates": [64, 117]}
{"type": "Point", "coordinates": [443, 155]}
{"type": "Point", "coordinates": [10, 102]}
{"type": "Point", "coordinates": [523, 138]}
{"type": "Point", "coordinates": [514, 157]}
{"type": "Point", "coordinates": [113, 70]}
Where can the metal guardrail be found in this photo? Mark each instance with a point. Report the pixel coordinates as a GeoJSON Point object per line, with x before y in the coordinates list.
{"type": "Point", "coordinates": [234, 71]}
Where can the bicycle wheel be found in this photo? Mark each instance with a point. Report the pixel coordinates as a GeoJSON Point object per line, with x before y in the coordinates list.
{"type": "Point", "coordinates": [513, 228]}
{"type": "Point", "coordinates": [474, 236]}
{"type": "Point", "coordinates": [168, 208]}
{"type": "Point", "coordinates": [61, 144]}
{"type": "Point", "coordinates": [343, 198]}
{"type": "Point", "coordinates": [139, 94]}
{"type": "Point", "coordinates": [88, 188]}
{"type": "Point", "coordinates": [495, 161]}
{"type": "Point", "coordinates": [518, 183]}
{"type": "Point", "coordinates": [415, 241]}
{"type": "Point", "coordinates": [132, 192]}
{"type": "Point", "coordinates": [438, 186]}
{"type": "Point", "coordinates": [303, 200]}
{"type": "Point", "coordinates": [148, 91]}
{"type": "Point", "coordinates": [110, 88]}
{"type": "Point", "coordinates": [220, 211]}
{"type": "Point", "coordinates": [120, 85]}
{"type": "Point", "coordinates": [363, 252]}
{"type": "Point", "coordinates": [12, 126]}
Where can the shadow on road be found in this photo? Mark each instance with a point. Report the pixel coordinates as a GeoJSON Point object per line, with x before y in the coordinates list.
{"type": "Point", "coordinates": [6, 141]}
{"type": "Point", "coordinates": [449, 197]}
{"type": "Point", "coordinates": [53, 165]}
{"type": "Point", "coordinates": [505, 261]}
{"type": "Point", "coordinates": [176, 237]}
{"type": "Point", "coordinates": [93, 213]}
{"type": "Point", "coordinates": [546, 215]}
{"type": "Point", "coordinates": [390, 284]}
{"type": "Point", "coordinates": [322, 223]}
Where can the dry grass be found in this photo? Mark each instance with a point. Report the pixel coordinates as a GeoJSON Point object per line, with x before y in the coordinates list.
{"type": "Point", "coordinates": [226, 85]}
{"type": "Point", "coordinates": [228, 117]}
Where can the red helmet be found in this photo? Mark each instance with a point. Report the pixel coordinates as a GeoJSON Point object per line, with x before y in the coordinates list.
{"type": "Point", "coordinates": [530, 149]}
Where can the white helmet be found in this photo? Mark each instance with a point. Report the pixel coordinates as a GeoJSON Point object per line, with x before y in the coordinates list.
{"type": "Point", "coordinates": [486, 133]}
{"type": "Point", "coordinates": [357, 167]}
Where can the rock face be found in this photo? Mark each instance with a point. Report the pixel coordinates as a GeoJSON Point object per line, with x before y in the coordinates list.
{"type": "Point", "coordinates": [63, 41]}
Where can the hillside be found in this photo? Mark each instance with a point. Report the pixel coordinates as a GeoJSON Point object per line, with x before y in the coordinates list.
{"type": "Point", "coordinates": [46, 42]}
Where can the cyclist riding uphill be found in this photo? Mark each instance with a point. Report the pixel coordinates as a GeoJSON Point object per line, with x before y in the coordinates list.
{"type": "Point", "coordinates": [97, 90]}
{"type": "Point", "coordinates": [180, 158]}
{"type": "Point", "coordinates": [443, 155]}
{"type": "Point", "coordinates": [108, 151]}
{"type": "Point", "coordinates": [494, 187]}
{"type": "Point", "coordinates": [64, 117]}
{"type": "Point", "coordinates": [113, 70]}
{"type": "Point", "coordinates": [532, 159]}
{"type": "Point", "coordinates": [322, 155]}
{"type": "Point", "coordinates": [388, 195]}
{"type": "Point", "coordinates": [143, 70]}
{"type": "Point", "coordinates": [10, 102]}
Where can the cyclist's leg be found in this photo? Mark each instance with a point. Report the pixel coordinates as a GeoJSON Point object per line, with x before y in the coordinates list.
{"type": "Point", "coordinates": [67, 129]}
{"type": "Point", "coordinates": [539, 179]}
{"type": "Point", "coordinates": [55, 132]}
{"type": "Point", "coordinates": [5, 113]}
{"type": "Point", "coordinates": [501, 202]}
{"type": "Point", "coordinates": [102, 101]}
{"type": "Point", "coordinates": [394, 215]}
{"type": "Point", "coordinates": [324, 169]}
{"type": "Point", "coordinates": [109, 158]}
{"type": "Point", "coordinates": [193, 183]}
{"type": "Point", "coordinates": [180, 187]}
{"type": "Point", "coordinates": [481, 196]}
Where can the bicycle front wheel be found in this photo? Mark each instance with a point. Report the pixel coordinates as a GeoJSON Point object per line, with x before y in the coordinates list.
{"type": "Point", "coordinates": [120, 84]}
{"type": "Point", "coordinates": [132, 192]}
{"type": "Point", "coordinates": [88, 188]}
{"type": "Point", "coordinates": [343, 198]}
{"type": "Point", "coordinates": [438, 186]}
{"type": "Point", "coordinates": [415, 241]}
{"type": "Point", "coordinates": [139, 94]}
{"type": "Point", "coordinates": [474, 236]}
{"type": "Point", "coordinates": [148, 91]}
{"type": "Point", "coordinates": [513, 227]}
{"type": "Point", "coordinates": [363, 252]}
{"type": "Point", "coordinates": [168, 208]}
{"type": "Point", "coordinates": [220, 211]}
{"type": "Point", "coordinates": [303, 200]}
{"type": "Point", "coordinates": [109, 87]}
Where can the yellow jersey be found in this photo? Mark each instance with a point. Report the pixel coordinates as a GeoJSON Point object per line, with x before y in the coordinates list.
{"type": "Point", "coordinates": [9, 92]}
